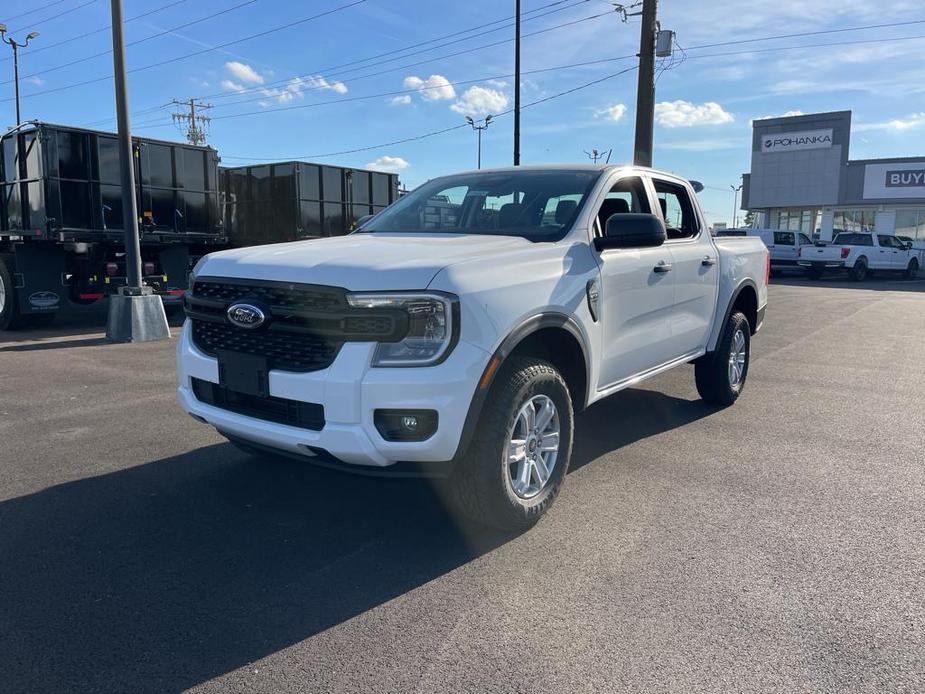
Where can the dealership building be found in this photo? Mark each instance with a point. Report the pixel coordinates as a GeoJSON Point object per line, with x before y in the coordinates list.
{"type": "Point", "coordinates": [801, 179]}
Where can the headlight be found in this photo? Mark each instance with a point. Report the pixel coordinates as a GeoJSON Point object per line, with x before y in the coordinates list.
{"type": "Point", "coordinates": [431, 330]}
{"type": "Point", "coordinates": [195, 271]}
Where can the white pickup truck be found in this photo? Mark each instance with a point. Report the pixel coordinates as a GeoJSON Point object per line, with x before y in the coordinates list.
{"type": "Point", "coordinates": [457, 332]}
{"type": "Point", "coordinates": [859, 254]}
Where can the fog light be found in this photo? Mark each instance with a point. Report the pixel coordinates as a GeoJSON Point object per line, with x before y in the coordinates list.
{"type": "Point", "coordinates": [405, 425]}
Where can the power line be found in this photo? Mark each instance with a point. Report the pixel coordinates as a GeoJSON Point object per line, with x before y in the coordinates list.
{"type": "Point", "coordinates": [339, 75]}
{"type": "Point", "coordinates": [137, 41]}
{"type": "Point", "coordinates": [55, 16]}
{"type": "Point", "coordinates": [200, 52]}
{"type": "Point", "coordinates": [36, 9]}
{"type": "Point", "coordinates": [442, 130]}
{"type": "Point", "coordinates": [45, 47]}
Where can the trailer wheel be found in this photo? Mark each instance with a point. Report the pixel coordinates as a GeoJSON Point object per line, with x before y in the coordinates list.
{"type": "Point", "coordinates": [10, 317]}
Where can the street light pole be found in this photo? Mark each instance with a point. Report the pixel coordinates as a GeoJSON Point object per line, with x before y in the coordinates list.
{"type": "Point", "coordinates": [15, 45]}
{"type": "Point", "coordinates": [479, 129]}
{"type": "Point", "coordinates": [136, 313]}
{"type": "Point", "coordinates": [735, 205]}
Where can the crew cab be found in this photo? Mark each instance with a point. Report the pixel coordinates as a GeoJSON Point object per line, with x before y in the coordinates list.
{"type": "Point", "coordinates": [457, 332]}
{"type": "Point", "coordinates": [860, 253]}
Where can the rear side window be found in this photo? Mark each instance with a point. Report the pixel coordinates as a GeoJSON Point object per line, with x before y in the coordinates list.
{"type": "Point", "coordinates": [805, 241]}
{"type": "Point", "coordinates": [784, 238]}
{"type": "Point", "coordinates": [855, 239]}
{"type": "Point", "coordinates": [677, 210]}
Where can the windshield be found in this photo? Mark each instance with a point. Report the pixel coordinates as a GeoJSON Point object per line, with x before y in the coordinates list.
{"type": "Point", "coordinates": [537, 205]}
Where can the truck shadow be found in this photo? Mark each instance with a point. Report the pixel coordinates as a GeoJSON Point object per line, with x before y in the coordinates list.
{"type": "Point", "coordinates": [162, 576]}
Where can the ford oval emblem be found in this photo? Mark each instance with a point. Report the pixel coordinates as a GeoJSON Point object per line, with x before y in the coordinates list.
{"type": "Point", "coordinates": [246, 316]}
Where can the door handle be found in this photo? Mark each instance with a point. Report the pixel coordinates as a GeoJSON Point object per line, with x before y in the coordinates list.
{"type": "Point", "coordinates": [662, 267]}
{"type": "Point", "coordinates": [708, 260]}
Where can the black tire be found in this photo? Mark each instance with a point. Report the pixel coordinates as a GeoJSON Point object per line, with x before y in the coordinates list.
{"type": "Point", "coordinates": [912, 271]}
{"type": "Point", "coordinates": [859, 272]}
{"type": "Point", "coordinates": [10, 317]}
{"type": "Point", "coordinates": [712, 371]}
{"type": "Point", "coordinates": [480, 486]}
{"type": "Point", "coordinates": [814, 272]}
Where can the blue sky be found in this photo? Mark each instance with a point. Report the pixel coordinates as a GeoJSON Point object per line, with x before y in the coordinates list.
{"type": "Point", "coordinates": [705, 103]}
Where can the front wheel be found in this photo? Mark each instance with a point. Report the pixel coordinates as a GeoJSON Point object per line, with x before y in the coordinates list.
{"type": "Point", "coordinates": [520, 453]}
{"type": "Point", "coordinates": [10, 317]}
{"type": "Point", "coordinates": [720, 375]}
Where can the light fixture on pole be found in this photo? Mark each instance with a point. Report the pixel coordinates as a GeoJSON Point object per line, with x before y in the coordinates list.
{"type": "Point", "coordinates": [16, 45]}
{"type": "Point", "coordinates": [479, 128]}
{"type": "Point", "coordinates": [735, 205]}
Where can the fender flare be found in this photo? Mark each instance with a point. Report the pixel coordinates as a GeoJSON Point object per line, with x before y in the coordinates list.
{"type": "Point", "coordinates": [535, 323]}
{"type": "Point", "coordinates": [728, 312]}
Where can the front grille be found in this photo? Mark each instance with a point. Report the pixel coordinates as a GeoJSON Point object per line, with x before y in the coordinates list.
{"type": "Point", "coordinates": [287, 351]}
{"type": "Point", "coordinates": [296, 297]}
{"type": "Point", "coordinates": [306, 415]}
{"type": "Point", "coordinates": [307, 324]}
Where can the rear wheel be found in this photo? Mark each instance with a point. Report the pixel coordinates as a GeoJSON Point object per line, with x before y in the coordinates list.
{"type": "Point", "coordinates": [720, 375]}
{"type": "Point", "coordinates": [912, 271]}
{"type": "Point", "coordinates": [10, 317]}
{"type": "Point", "coordinates": [520, 452]}
{"type": "Point", "coordinates": [859, 272]}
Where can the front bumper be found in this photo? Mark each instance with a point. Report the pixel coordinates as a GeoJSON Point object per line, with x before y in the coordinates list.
{"type": "Point", "coordinates": [350, 391]}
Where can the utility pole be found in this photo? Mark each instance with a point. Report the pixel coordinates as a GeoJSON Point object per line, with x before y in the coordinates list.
{"type": "Point", "coordinates": [516, 82]}
{"type": "Point", "coordinates": [645, 93]}
{"type": "Point", "coordinates": [195, 134]}
{"type": "Point", "coordinates": [136, 314]}
{"type": "Point", "coordinates": [15, 45]}
{"type": "Point", "coordinates": [479, 128]}
{"type": "Point", "coordinates": [735, 205]}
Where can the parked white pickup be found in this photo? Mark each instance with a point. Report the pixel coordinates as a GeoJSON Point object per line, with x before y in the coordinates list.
{"type": "Point", "coordinates": [459, 329]}
{"type": "Point", "coordinates": [860, 253]}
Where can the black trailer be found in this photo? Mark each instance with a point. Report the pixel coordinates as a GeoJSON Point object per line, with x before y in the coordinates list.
{"type": "Point", "coordinates": [294, 200]}
{"type": "Point", "coordinates": [61, 236]}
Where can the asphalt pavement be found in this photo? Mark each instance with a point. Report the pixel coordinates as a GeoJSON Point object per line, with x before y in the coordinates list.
{"type": "Point", "coordinates": [778, 545]}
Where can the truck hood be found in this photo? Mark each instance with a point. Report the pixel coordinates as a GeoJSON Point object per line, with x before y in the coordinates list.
{"type": "Point", "coordinates": [358, 262]}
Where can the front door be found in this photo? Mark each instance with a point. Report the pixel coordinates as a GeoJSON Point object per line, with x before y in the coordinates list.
{"type": "Point", "coordinates": [637, 294]}
{"type": "Point", "coordinates": [784, 251]}
{"type": "Point", "coordinates": [696, 268]}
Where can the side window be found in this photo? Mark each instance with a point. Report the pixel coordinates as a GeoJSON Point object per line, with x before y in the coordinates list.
{"type": "Point", "coordinates": [886, 241]}
{"type": "Point", "coordinates": [677, 210]}
{"type": "Point", "coordinates": [626, 195]}
{"type": "Point", "coordinates": [783, 238]}
{"type": "Point", "coordinates": [804, 240]}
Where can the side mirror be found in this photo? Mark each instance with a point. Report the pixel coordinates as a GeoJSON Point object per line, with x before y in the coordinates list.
{"type": "Point", "coordinates": [632, 230]}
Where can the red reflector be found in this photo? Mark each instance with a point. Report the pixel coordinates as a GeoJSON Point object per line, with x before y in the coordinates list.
{"type": "Point", "coordinates": [93, 295]}
{"type": "Point", "coordinates": [767, 270]}
{"type": "Point", "coordinates": [176, 292]}
{"type": "Point", "coordinates": [845, 252]}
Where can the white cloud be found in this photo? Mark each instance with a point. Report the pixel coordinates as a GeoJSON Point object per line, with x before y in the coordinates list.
{"type": "Point", "coordinates": [230, 86]}
{"type": "Point", "coordinates": [684, 114]}
{"type": "Point", "coordinates": [913, 120]}
{"type": "Point", "coordinates": [295, 86]}
{"type": "Point", "coordinates": [614, 113]}
{"type": "Point", "coordinates": [36, 80]}
{"type": "Point", "coordinates": [243, 72]}
{"type": "Point", "coordinates": [387, 163]}
{"type": "Point", "coordinates": [434, 88]}
{"type": "Point", "coordinates": [480, 101]}
{"type": "Point", "coordinates": [402, 100]}
{"type": "Point", "coordinates": [788, 114]}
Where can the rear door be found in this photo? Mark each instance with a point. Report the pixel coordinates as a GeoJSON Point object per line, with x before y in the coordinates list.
{"type": "Point", "coordinates": [784, 250]}
{"type": "Point", "coordinates": [695, 266]}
